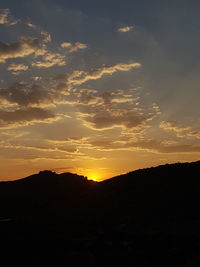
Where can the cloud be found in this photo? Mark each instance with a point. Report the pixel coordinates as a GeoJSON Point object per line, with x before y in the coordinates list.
{"type": "Point", "coordinates": [99, 111]}
{"type": "Point", "coordinates": [46, 36]}
{"type": "Point", "coordinates": [107, 114]}
{"type": "Point", "coordinates": [87, 97]}
{"type": "Point", "coordinates": [111, 109]}
{"type": "Point", "coordinates": [195, 134]}
{"type": "Point", "coordinates": [30, 25]}
{"type": "Point", "coordinates": [39, 145]}
{"type": "Point", "coordinates": [73, 47]}
{"type": "Point", "coordinates": [4, 16]}
{"type": "Point", "coordinates": [36, 78]}
{"type": "Point", "coordinates": [24, 47]}
{"type": "Point", "coordinates": [17, 67]}
{"type": "Point", "coordinates": [173, 126]}
{"type": "Point", "coordinates": [50, 60]}
{"type": "Point", "coordinates": [25, 116]}
{"type": "Point", "coordinates": [125, 29]}
{"type": "Point", "coordinates": [29, 45]}
{"type": "Point", "coordinates": [120, 97]}
{"type": "Point", "coordinates": [153, 146]}
{"type": "Point", "coordinates": [25, 94]}
{"type": "Point", "coordinates": [118, 117]}
{"type": "Point", "coordinates": [12, 151]}
{"type": "Point", "coordinates": [180, 130]}
{"type": "Point", "coordinates": [163, 148]}
{"type": "Point", "coordinates": [80, 77]}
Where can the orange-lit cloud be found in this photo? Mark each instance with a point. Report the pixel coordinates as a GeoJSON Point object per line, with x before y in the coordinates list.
{"type": "Point", "coordinates": [173, 126]}
{"type": "Point", "coordinates": [125, 29]}
{"type": "Point", "coordinates": [20, 117]}
{"type": "Point", "coordinates": [109, 118]}
{"type": "Point", "coordinates": [180, 130]}
{"type": "Point", "coordinates": [80, 77]}
{"type": "Point", "coordinates": [50, 60]}
{"type": "Point", "coordinates": [25, 94]}
{"type": "Point", "coordinates": [195, 134]}
{"type": "Point", "coordinates": [4, 16]}
{"type": "Point", "coordinates": [70, 47]}
{"type": "Point", "coordinates": [153, 146]}
{"type": "Point", "coordinates": [25, 46]}
{"type": "Point", "coordinates": [17, 67]}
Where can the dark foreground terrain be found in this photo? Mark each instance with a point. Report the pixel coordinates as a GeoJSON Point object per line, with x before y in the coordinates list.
{"type": "Point", "coordinates": [146, 217]}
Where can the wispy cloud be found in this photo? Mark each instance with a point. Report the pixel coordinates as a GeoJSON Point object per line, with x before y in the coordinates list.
{"type": "Point", "coordinates": [153, 146]}
{"type": "Point", "coordinates": [195, 134]}
{"type": "Point", "coordinates": [50, 60]}
{"type": "Point", "coordinates": [4, 16]}
{"type": "Point", "coordinates": [80, 77]}
{"type": "Point", "coordinates": [21, 117]}
{"type": "Point", "coordinates": [109, 118]}
{"type": "Point", "coordinates": [125, 29]}
{"type": "Point", "coordinates": [25, 94]}
{"type": "Point", "coordinates": [70, 47]}
{"type": "Point", "coordinates": [17, 67]}
{"type": "Point", "coordinates": [25, 46]}
{"type": "Point", "coordinates": [181, 131]}
{"type": "Point", "coordinates": [173, 126]}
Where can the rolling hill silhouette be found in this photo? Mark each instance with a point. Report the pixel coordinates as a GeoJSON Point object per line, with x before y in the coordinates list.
{"type": "Point", "coordinates": [149, 216]}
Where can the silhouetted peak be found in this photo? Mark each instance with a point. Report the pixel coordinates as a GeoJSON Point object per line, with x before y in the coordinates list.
{"type": "Point", "coordinates": [48, 178]}
{"type": "Point", "coordinates": [46, 173]}
{"type": "Point", "coordinates": [70, 175]}
{"type": "Point", "coordinates": [172, 171]}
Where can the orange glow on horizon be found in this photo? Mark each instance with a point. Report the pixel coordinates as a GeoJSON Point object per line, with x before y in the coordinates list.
{"type": "Point", "coordinates": [94, 175]}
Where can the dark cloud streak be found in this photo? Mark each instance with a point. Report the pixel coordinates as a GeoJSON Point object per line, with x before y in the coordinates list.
{"type": "Point", "coordinates": [23, 116]}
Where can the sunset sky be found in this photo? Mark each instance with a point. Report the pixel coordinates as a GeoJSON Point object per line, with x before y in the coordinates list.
{"type": "Point", "coordinates": [98, 88]}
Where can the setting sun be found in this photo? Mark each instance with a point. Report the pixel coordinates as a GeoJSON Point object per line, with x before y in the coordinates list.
{"type": "Point", "coordinates": [94, 175]}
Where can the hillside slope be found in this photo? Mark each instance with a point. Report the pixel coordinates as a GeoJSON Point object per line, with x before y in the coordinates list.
{"type": "Point", "coordinates": [150, 216]}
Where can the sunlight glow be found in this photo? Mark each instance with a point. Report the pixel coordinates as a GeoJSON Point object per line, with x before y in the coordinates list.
{"type": "Point", "coordinates": [95, 176]}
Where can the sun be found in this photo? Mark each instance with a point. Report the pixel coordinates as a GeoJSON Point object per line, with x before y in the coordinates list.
{"type": "Point", "coordinates": [95, 176]}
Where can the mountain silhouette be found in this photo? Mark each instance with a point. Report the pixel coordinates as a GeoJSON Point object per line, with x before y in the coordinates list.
{"type": "Point", "coordinates": [149, 216]}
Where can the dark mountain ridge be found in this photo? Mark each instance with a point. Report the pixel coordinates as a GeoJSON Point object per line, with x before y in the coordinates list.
{"type": "Point", "coordinates": [167, 189]}
{"type": "Point", "coordinates": [149, 215]}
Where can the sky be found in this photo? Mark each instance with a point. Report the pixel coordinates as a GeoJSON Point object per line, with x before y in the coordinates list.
{"type": "Point", "coordinates": [98, 88]}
